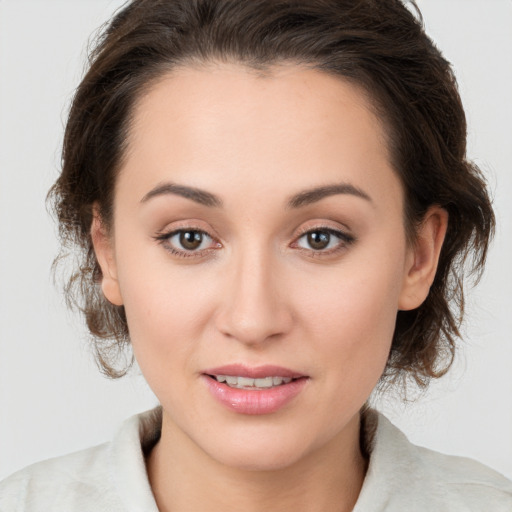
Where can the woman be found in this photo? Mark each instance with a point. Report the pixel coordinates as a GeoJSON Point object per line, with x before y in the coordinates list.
{"type": "Point", "coordinates": [272, 201]}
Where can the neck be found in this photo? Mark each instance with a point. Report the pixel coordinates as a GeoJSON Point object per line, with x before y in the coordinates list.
{"type": "Point", "coordinates": [183, 477]}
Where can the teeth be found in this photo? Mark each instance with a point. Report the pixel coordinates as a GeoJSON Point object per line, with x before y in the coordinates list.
{"type": "Point", "coordinates": [248, 383]}
{"type": "Point", "coordinates": [244, 382]}
{"type": "Point", "coordinates": [232, 381]}
{"type": "Point", "coordinates": [267, 382]}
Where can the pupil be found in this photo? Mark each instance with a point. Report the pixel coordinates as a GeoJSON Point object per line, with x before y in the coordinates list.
{"type": "Point", "coordinates": [191, 239]}
{"type": "Point", "coordinates": [318, 239]}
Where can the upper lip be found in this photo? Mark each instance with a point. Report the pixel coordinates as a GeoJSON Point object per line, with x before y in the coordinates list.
{"type": "Point", "coordinates": [254, 372]}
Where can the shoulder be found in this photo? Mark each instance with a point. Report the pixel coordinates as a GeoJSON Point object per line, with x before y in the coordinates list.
{"type": "Point", "coordinates": [473, 484]}
{"type": "Point", "coordinates": [56, 483]}
{"type": "Point", "coordinates": [101, 478]}
{"type": "Point", "coordinates": [409, 477]}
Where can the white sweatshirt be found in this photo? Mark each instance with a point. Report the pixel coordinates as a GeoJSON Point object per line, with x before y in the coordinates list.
{"type": "Point", "coordinates": [112, 477]}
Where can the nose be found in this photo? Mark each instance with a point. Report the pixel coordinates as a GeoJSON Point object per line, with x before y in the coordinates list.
{"type": "Point", "coordinates": [254, 308]}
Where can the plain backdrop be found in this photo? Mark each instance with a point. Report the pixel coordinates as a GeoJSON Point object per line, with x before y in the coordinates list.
{"type": "Point", "coordinates": [53, 400]}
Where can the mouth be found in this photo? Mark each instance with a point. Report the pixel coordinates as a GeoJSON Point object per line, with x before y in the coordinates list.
{"type": "Point", "coordinates": [254, 390]}
{"type": "Point", "coordinates": [248, 383]}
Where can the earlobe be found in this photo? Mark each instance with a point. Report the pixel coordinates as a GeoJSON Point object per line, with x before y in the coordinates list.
{"type": "Point", "coordinates": [423, 258]}
{"type": "Point", "coordinates": [104, 251]}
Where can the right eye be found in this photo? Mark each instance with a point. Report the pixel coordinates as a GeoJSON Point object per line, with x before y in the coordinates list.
{"type": "Point", "coordinates": [187, 242]}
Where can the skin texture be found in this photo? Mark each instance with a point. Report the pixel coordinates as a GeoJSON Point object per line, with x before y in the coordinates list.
{"type": "Point", "coordinates": [256, 292]}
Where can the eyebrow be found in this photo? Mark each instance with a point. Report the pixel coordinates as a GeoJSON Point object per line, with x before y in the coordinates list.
{"type": "Point", "coordinates": [304, 198]}
{"type": "Point", "coordinates": [195, 194]}
{"type": "Point", "coordinates": [313, 195]}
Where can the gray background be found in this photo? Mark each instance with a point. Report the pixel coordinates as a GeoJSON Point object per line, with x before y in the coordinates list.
{"type": "Point", "coordinates": [52, 398]}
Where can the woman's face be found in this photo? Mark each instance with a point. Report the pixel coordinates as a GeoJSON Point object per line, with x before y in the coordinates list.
{"type": "Point", "coordinates": [258, 233]}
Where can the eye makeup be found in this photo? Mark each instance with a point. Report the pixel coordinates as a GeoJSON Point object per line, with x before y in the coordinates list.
{"type": "Point", "coordinates": [323, 241]}
{"type": "Point", "coordinates": [192, 242]}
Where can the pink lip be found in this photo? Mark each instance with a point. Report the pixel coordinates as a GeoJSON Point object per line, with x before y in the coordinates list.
{"type": "Point", "coordinates": [248, 401]}
{"type": "Point", "coordinates": [257, 372]}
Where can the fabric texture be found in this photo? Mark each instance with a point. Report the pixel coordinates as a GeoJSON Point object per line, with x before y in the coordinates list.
{"type": "Point", "coordinates": [112, 477]}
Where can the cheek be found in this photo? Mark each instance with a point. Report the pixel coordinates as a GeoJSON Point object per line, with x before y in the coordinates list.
{"type": "Point", "coordinates": [352, 317]}
{"type": "Point", "coordinates": [166, 307]}
{"type": "Point", "coordinates": [166, 323]}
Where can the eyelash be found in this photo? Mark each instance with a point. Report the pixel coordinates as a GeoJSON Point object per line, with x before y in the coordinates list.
{"type": "Point", "coordinates": [164, 238]}
{"type": "Point", "coordinates": [345, 240]}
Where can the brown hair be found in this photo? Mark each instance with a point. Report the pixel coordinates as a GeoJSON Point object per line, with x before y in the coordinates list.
{"type": "Point", "coordinates": [378, 44]}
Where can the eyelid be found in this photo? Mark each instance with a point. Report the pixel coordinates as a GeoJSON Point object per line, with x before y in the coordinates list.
{"type": "Point", "coordinates": [323, 225]}
{"type": "Point", "coordinates": [346, 239]}
{"type": "Point", "coordinates": [163, 237]}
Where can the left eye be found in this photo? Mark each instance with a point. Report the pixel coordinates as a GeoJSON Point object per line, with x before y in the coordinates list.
{"type": "Point", "coordinates": [322, 239]}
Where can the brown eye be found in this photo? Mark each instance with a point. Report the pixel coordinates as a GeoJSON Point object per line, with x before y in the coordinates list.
{"type": "Point", "coordinates": [191, 240]}
{"type": "Point", "coordinates": [318, 240]}
{"type": "Point", "coordinates": [187, 242]}
{"type": "Point", "coordinates": [324, 240]}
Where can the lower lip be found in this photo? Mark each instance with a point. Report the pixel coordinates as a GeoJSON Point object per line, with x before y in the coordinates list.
{"type": "Point", "coordinates": [257, 401]}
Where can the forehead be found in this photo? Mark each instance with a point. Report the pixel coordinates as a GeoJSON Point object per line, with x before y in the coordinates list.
{"type": "Point", "coordinates": [232, 92]}
{"type": "Point", "coordinates": [222, 124]}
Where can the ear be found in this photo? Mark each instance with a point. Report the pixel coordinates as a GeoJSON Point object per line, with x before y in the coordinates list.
{"type": "Point", "coordinates": [422, 259]}
{"type": "Point", "coordinates": [104, 251]}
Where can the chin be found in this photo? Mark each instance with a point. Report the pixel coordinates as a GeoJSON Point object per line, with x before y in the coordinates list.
{"type": "Point", "coordinates": [259, 460]}
{"type": "Point", "coordinates": [260, 451]}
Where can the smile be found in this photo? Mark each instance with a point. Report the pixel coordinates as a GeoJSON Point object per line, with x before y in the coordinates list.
{"type": "Point", "coordinates": [254, 390]}
{"type": "Point", "coordinates": [250, 383]}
